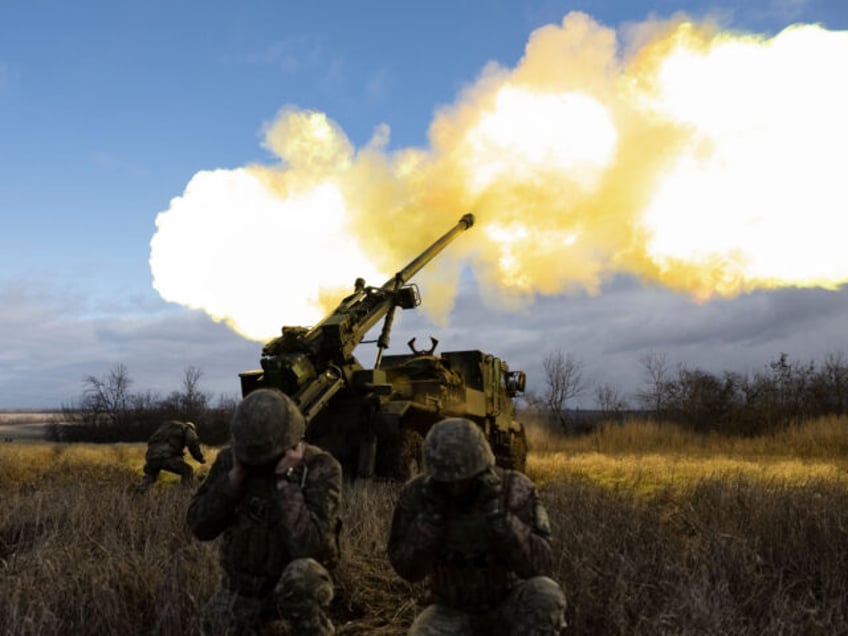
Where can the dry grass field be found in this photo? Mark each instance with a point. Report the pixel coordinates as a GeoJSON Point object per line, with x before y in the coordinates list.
{"type": "Point", "coordinates": [657, 532]}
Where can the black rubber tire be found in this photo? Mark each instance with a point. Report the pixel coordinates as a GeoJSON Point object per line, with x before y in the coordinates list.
{"type": "Point", "coordinates": [518, 450]}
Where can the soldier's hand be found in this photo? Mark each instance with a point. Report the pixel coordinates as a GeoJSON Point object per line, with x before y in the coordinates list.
{"type": "Point", "coordinates": [489, 492]}
{"type": "Point", "coordinates": [293, 456]}
{"type": "Point", "coordinates": [434, 501]}
{"type": "Point", "coordinates": [237, 473]}
{"type": "Point", "coordinates": [490, 502]}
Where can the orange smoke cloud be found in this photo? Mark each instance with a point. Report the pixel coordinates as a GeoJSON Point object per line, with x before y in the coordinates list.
{"type": "Point", "coordinates": [708, 162]}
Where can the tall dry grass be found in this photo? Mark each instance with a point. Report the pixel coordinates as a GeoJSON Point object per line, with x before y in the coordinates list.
{"type": "Point", "coordinates": [822, 438]}
{"type": "Point", "coordinates": [730, 553]}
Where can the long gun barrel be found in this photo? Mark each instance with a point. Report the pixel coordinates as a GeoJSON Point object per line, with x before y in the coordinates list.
{"type": "Point", "coordinates": [427, 255]}
{"type": "Point", "coordinates": [408, 272]}
{"type": "Point", "coordinates": [368, 305]}
{"type": "Point", "coordinates": [311, 365]}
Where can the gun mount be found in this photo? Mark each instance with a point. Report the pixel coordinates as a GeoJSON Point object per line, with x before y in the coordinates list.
{"type": "Point", "coordinates": [374, 420]}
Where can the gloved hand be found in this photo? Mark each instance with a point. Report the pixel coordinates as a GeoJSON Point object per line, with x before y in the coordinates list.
{"type": "Point", "coordinates": [490, 502]}
{"type": "Point", "coordinates": [434, 501]}
{"type": "Point", "coordinates": [237, 474]}
{"type": "Point", "coordinates": [291, 468]}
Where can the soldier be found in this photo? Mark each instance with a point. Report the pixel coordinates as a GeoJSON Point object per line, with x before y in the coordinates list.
{"type": "Point", "coordinates": [481, 535]}
{"type": "Point", "coordinates": [165, 452]}
{"type": "Point", "coordinates": [276, 501]}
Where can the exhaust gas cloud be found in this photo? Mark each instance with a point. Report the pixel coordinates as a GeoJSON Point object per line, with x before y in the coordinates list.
{"type": "Point", "coordinates": [708, 162]}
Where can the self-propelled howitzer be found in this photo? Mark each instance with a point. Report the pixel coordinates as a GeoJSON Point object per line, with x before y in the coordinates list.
{"type": "Point", "coordinates": [373, 420]}
{"type": "Point", "coordinates": [312, 364]}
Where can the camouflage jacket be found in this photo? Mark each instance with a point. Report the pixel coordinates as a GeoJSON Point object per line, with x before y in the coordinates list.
{"type": "Point", "coordinates": [471, 558]}
{"type": "Point", "coordinates": [169, 440]}
{"type": "Point", "coordinates": [271, 520]}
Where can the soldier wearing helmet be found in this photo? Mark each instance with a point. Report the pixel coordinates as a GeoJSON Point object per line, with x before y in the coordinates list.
{"type": "Point", "coordinates": [165, 450]}
{"type": "Point", "coordinates": [481, 536]}
{"type": "Point", "coordinates": [275, 499]}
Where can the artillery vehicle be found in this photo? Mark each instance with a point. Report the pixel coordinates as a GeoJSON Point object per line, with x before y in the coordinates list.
{"type": "Point", "coordinates": [374, 420]}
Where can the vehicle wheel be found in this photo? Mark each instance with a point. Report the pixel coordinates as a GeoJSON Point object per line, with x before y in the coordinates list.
{"type": "Point", "coordinates": [518, 449]}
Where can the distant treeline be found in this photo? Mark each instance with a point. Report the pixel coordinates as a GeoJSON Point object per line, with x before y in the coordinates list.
{"type": "Point", "coordinates": [785, 392]}
{"type": "Point", "coordinates": [108, 412]}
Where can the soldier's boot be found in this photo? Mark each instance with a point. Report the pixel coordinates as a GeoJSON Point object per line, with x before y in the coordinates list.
{"type": "Point", "coordinates": [313, 623]}
{"type": "Point", "coordinates": [187, 475]}
{"type": "Point", "coordinates": [303, 596]}
{"type": "Point", "coordinates": [537, 608]}
{"type": "Point", "coordinates": [145, 484]}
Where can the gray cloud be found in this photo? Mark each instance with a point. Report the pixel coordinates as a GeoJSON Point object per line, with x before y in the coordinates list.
{"type": "Point", "coordinates": [52, 339]}
{"type": "Point", "coordinates": [612, 331]}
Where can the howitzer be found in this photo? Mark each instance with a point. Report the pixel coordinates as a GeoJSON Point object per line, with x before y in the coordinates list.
{"type": "Point", "coordinates": [312, 364]}
{"type": "Point", "coordinates": [374, 420]}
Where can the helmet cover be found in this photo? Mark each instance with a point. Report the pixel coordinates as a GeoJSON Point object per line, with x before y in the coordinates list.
{"type": "Point", "coordinates": [456, 449]}
{"type": "Point", "coordinates": [266, 423]}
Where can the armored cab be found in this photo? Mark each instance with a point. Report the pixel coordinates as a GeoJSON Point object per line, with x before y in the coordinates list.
{"type": "Point", "coordinates": [471, 384]}
{"type": "Point", "coordinates": [383, 435]}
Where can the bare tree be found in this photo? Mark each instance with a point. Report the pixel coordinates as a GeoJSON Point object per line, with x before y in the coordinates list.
{"type": "Point", "coordinates": [792, 382]}
{"type": "Point", "coordinates": [564, 382]}
{"type": "Point", "coordinates": [835, 378]}
{"type": "Point", "coordinates": [656, 382]}
{"type": "Point", "coordinates": [191, 402]}
{"type": "Point", "coordinates": [105, 400]}
{"type": "Point", "coordinates": [195, 400]}
{"type": "Point", "coordinates": [610, 401]}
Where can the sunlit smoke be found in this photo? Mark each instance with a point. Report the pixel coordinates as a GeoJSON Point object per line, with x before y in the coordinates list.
{"type": "Point", "coordinates": [755, 198]}
{"type": "Point", "coordinates": [705, 161]}
{"type": "Point", "coordinates": [230, 242]}
{"type": "Point", "coordinates": [569, 134]}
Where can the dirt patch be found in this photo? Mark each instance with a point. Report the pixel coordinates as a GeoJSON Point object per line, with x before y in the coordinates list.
{"type": "Point", "coordinates": [24, 426]}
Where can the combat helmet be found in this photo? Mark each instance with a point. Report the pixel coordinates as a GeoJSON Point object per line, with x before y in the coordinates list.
{"type": "Point", "coordinates": [266, 423]}
{"type": "Point", "coordinates": [456, 449]}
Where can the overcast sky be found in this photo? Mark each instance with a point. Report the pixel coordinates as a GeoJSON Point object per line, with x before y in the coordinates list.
{"type": "Point", "coordinates": [109, 109]}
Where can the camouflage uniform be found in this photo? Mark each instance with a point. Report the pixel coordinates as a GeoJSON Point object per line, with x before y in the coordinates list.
{"type": "Point", "coordinates": [280, 534]}
{"type": "Point", "coordinates": [484, 545]}
{"type": "Point", "coordinates": [165, 452]}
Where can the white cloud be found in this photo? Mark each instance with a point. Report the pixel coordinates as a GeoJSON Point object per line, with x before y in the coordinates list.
{"type": "Point", "coordinates": [113, 163]}
{"type": "Point", "coordinates": [377, 86]}
{"type": "Point", "coordinates": [787, 10]}
{"type": "Point", "coordinates": [291, 54]}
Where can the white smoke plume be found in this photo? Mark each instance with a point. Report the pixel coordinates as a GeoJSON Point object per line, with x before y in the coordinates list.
{"type": "Point", "coordinates": [705, 161]}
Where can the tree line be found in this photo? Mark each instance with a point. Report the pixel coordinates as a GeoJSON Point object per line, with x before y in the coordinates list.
{"type": "Point", "coordinates": [109, 411]}
{"type": "Point", "coordinates": [783, 392]}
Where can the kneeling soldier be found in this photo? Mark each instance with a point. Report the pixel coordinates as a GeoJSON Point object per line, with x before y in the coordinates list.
{"type": "Point", "coordinates": [165, 450]}
{"type": "Point", "coordinates": [482, 537]}
{"type": "Point", "coordinates": [276, 501]}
